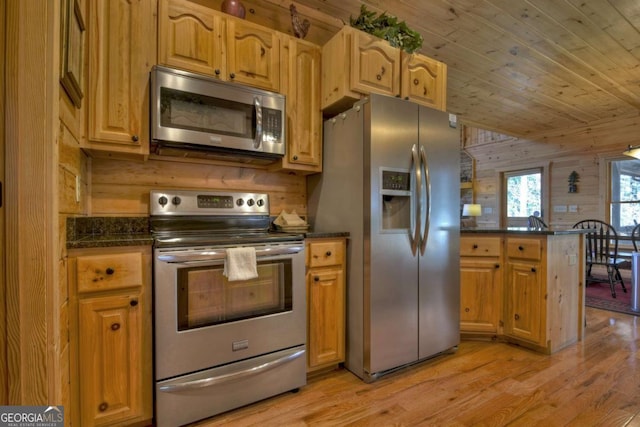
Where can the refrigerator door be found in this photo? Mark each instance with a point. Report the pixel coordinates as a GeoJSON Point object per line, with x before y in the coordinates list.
{"type": "Point", "coordinates": [439, 280]}
{"type": "Point", "coordinates": [391, 269]}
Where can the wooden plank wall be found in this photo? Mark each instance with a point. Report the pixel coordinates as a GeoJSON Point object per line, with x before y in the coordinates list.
{"type": "Point", "coordinates": [121, 188]}
{"type": "Point", "coordinates": [582, 150]}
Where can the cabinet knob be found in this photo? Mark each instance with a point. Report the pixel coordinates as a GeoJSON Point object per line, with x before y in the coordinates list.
{"type": "Point", "coordinates": [115, 326]}
{"type": "Point", "coordinates": [135, 138]}
{"type": "Point", "coordinates": [520, 248]}
{"type": "Point", "coordinates": [516, 316]}
{"type": "Point", "coordinates": [109, 271]}
{"type": "Point", "coordinates": [103, 406]}
{"type": "Point", "coordinates": [232, 75]}
{"type": "Point", "coordinates": [295, 157]}
{"type": "Point", "coordinates": [475, 246]}
{"type": "Point", "coordinates": [328, 253]}
{"type": "Point", "coordinates": [497, 266]}
{"type": "Point", "coordinates": [533, 270]}
{"type": "Point", "coordinates": [217, 71]}
{"type": "Point", "coordinates": [467, 309]}
{"type": "Point", "coordinates": [133, 302]}
{"type": "Point", "coordinates": [316, 279]}
{"type": "Point", "coordinates": [379, 76]}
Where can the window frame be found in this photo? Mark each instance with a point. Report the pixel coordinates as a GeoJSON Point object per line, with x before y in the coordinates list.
{"type": "Point", "coordinates": [543, 168]}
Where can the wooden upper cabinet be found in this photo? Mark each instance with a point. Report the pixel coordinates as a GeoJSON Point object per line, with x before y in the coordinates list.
{"type": "Point", "coordinates": [300, 82]}
{"type": "Point", "coordinates": [122, 50]}
{"type": "Point", "coordinates": [355, 64]}
{"type": "Point", "coordinates": [191, 38]}
{"type": "Point", "coordinates": [375, 65]}
{"type": "Point", "coordinates": [200, 39]}
{"type": "Point", "coordinates": [253, 55]}
{"type": "Point", "coordinates": [424, 80]}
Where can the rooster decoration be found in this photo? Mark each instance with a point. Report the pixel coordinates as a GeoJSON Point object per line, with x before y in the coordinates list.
{"type": "Point", "coordinates": [300, 28]}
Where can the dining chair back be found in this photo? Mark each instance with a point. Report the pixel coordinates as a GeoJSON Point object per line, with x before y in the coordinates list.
{"type": "Point", "coordinates": [601, 243]}
{"type": "Point", "coordinates": [536, 222]}
{"type": "Point", "coordinates": [635, 237]}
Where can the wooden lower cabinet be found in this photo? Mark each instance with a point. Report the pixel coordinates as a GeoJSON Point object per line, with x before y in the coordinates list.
{"type": "Point", "coordinates": [481, 278]}
{"type": "Point", "coordinates": [326, 293]}
{"type": "Point", "coordinates": [536, 301]}
{"type": "Point", "coordinates": [110, 295]}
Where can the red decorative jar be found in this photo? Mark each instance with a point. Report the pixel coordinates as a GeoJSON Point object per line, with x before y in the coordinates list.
{"type": "Point", "coordinates": [233, 7]}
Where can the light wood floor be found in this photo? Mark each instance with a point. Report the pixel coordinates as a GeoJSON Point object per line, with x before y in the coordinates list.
{"type": "Point", "coordinates": [593, 383]}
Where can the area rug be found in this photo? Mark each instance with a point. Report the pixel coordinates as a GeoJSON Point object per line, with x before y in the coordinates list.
{"type": "Point", "coordinates": [599, 296]}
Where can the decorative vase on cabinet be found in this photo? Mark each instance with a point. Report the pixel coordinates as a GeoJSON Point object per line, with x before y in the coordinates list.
{"type": "Point", "coordinates": [233, 7]}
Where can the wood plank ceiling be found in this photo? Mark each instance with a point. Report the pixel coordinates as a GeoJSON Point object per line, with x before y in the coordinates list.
{"type": "Point", "coordinates": [520, 67]}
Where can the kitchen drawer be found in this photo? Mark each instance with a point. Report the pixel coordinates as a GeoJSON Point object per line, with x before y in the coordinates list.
{"type": "Point", "coordinates": [325, 253]}
{"type": "Point", "coordinates": [106, 272]}
{"type": "Point", "coordinates": [480, 246]}
{"type": "Point", "coordinates": [524, 248]}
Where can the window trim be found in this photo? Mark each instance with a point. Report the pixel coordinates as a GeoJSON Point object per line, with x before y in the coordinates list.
{"type": "Point", "coordinates": [544, 168]}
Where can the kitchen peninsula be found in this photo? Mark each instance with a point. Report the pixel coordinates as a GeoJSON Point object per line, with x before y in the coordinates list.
{"type": "Point", "coordinates": [523, 286]}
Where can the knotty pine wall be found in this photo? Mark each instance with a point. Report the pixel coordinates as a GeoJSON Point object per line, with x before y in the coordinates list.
{"type": "Point", "coordinates": [584, 150]}
{"type": "Point", "coordinates": [121, 188]}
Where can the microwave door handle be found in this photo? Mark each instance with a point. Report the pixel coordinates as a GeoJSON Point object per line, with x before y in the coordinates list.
{"type": "Point", "coordinates": [258, 107]}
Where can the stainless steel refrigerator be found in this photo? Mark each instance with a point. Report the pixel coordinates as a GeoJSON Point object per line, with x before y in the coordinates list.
{"type": "Point", "coordinates": [391, 179]}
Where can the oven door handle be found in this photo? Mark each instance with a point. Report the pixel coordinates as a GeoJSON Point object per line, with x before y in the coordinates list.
{"type": "Point", "coordinates": [232, 376]}
{"type": "Point", "coordinates": [221, 254]}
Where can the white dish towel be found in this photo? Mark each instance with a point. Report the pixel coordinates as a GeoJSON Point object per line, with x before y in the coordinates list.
{"type": "Point", "coordinates": [240, 264]}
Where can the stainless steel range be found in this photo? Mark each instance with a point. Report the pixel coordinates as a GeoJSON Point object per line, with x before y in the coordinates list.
{"type": "Point", "coordinates": [222, 343]}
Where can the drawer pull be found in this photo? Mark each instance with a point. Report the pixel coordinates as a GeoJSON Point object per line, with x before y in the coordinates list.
{"type": "Point", "coordinates": [328, 253]}
{"type": "Point", "coordinates": [533, 270]}
{"type": "Point", "coordinates": [475, 246]}
{"type": "Point", "coordinates": [232, 75]}
{"type": "Point", "coordinates": [467, 309]}
{"type": "Point", "coordinates": [110, 271]}
{"type": "Point", "coordinates": [517, 316]}
{"type": "Point", "coordinates": [115, 326]}
{"type": "Point", "coordinates": [217, 71]}
{"type": "Point", "coordinates": [103, 406]}
{"type": "Point", "coordinates": [316, 279]}
{"type": "Point", "coordinates": [520, 248]}
{"type": "Point", "coordinates": [497, 266]}
{"type": "Point", "coordinates": [133, 302]}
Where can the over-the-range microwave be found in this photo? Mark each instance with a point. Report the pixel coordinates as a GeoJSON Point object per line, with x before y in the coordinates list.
{"type": "Point", "coordinates": [193, 113]}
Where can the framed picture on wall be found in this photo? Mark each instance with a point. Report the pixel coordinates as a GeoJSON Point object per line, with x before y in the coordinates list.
{"type": "Point", "coordinates": [72, 50]}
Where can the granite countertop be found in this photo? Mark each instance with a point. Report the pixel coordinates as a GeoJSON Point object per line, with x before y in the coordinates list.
{"type": "Point", "coordinates": [100, 232]}
{"type": "Point", "coordinates": [525, 230]}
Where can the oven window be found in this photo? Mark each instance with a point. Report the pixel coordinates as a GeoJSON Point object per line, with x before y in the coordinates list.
{"type": "Point", "coordinates": [206, 297]}
{"type": "Point", "coordinates": [190, 111]}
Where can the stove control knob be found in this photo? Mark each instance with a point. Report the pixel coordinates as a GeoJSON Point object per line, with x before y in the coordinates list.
{"type": "Point", "coordinates": [176, 200]}
{"type": "Point", "coordinates": [239, 202]}
{"type": "Point", "coordinates": [250, 202]}
{"type": "Point", "coordinates": [260, 202]}
{"type": "Point", "coordinates": [163, 201]}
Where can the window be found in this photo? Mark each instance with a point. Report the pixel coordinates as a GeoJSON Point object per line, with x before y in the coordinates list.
{"type": "Point", "coordinates": [625, 195]}
{"type": "Point", "coordinates": [523, 195]}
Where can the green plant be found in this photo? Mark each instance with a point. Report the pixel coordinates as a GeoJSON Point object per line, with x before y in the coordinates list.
{"type": "Point", "coordinates": [387, 27]}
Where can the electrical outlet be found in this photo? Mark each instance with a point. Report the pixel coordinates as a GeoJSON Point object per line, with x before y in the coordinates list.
{"type": "Point", "coordinates": [487, 210]}
{"type": "Point", "coordinates": [560, 208]}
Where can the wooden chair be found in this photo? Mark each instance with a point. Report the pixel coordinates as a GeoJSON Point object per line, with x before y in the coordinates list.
{"type": "Point", "coordinates": [536, 222]}
{"type": "Point", "coordinates": [602, 249]}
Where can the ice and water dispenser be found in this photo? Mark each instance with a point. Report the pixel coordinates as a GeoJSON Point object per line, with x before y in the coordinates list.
{"type": "Point", "coordinates": [395, 194]}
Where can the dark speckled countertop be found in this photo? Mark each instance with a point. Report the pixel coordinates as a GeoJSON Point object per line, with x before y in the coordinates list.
{"type": "Point", "coordinates": [525, 230]}
{"type": "Point", "coordinates": [96, 232]}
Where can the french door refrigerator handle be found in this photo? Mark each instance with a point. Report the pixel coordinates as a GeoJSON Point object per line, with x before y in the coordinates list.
{"type": "Point", "coordinates": [427, 183]}
{"type": "Point", "coordinates": [415, 167]}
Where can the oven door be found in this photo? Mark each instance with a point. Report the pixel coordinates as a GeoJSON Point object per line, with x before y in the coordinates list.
{"type": "Point", "coordinates": [202, 320]}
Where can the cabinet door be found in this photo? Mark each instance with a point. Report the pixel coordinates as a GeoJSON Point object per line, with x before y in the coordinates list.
{"type": "Point", "coordinates": [375, 65]}
{"type": "Point", "coordinates": [424, 81]}
{"type": "Point", "coordinates": [253, 55]}
{"type": "Point", "coordinates": [301, 85]}
{"type": "Point", "coordinates": [191, 37]}
{"type": "Point", "coordinates": [326, 311]}
{"type": "Point", "coordinates": [525, 304]}
{"type": "Point", "coordinates": [122, 46]}
{"type": "Point", "coordinates": [110, 356]}
{"type": "Point", "coordinates": [480, 294]}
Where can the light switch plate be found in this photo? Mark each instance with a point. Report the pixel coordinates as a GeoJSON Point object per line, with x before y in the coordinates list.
{"type": "Point", "coordinates": [573, 208]}
{"type": "Point", "coordinates": [560, 208]}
